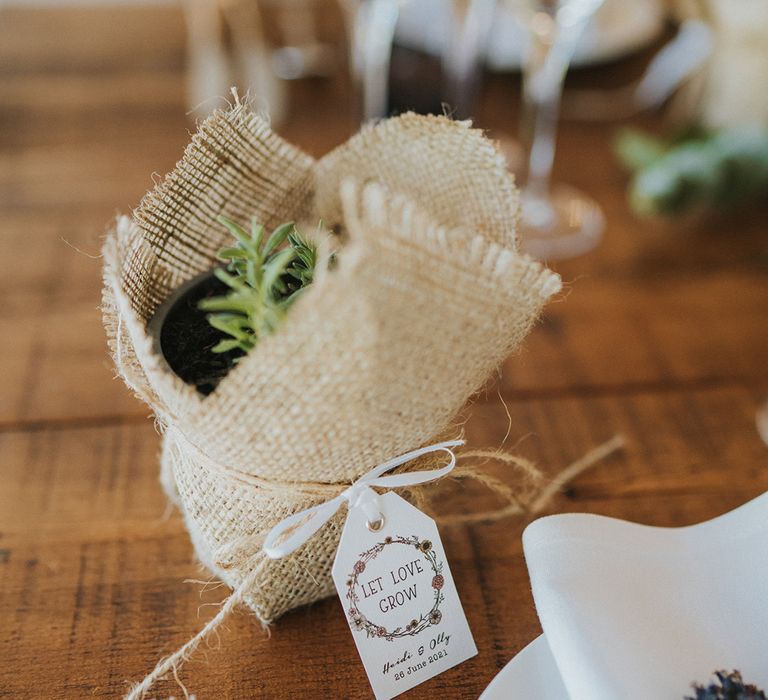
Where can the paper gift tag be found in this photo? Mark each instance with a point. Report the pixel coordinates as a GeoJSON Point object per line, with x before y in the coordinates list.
{"type": "Point", "coordinates": [399, 597]}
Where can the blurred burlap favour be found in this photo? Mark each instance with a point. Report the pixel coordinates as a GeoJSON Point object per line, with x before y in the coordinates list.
{"type": "Point", "coordinates": [427, 296]}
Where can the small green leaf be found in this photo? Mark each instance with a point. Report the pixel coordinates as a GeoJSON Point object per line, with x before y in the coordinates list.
{"type": "Point", "coordinates": [274, 268]}
{"type": "Point", "coordinates": [238, 267]}
{"type": "Point", "coordinates": [237, 231]}
{"type": "Point", "coordinates": [231, 253]}
{"type": "Point", "coordinates": [250, 273]}
{"type": "Point", "coordinates": [230, 280]}
{"type": "Point", "coordinates": [226, 303]}
{"type": "Point", "coordinates": [278, 237]}
{"type": "Point", "coordinates": [637, 150]}
{"type": "Point", "coordinates": [257, 233]}
{"type": "Point", "coordinates": [226, 346]}
{"type": "Point", "coordinates": [227, 325]}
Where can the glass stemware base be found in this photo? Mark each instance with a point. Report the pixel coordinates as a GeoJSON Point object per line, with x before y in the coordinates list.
{"type": "Point", "coordinates": [562, 224]}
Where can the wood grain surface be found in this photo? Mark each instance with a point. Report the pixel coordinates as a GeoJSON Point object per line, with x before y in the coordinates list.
{"type": "Point", "coordinates": [661, 336]}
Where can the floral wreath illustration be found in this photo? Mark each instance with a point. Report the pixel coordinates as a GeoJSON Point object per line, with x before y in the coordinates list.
{"type": "Point", "coordinates": [359, 622]}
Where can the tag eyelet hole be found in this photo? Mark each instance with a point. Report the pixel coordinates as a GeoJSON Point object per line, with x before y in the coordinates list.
{"type": "Point", "coordinates": [376, 525]}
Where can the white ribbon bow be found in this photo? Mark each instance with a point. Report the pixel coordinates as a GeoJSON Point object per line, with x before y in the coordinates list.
{"type": "Point", "coordinates": [358, 495]}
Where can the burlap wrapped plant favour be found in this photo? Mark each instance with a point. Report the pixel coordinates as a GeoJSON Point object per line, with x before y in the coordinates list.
{"type": "Point", "coordinates": [427, 296]}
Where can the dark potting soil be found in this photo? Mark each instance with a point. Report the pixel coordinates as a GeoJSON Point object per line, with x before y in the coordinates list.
{"type": "Point", "coordinates": [186, 337]}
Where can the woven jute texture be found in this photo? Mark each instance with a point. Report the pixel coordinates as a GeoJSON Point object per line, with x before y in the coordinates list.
{"type": "Point", "coordinates": [427, 297]}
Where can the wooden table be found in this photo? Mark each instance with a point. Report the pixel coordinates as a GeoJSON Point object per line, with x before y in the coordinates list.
{"type": "Point", "coordinates": [661, 336]}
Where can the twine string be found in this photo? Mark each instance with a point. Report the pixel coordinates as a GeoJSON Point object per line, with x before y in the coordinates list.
{"type": "Point", "coordinates": [174, 661]}
{"type": "Point", "coordinates": [260, 559]}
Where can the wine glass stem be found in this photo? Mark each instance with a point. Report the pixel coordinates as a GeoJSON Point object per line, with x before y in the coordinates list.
{"type": "Point", "coordinates": [462, 54]}
{"type": "Point", "coordinates": [543, 75]}
{"type": "Point", "coordinates": [372, 33]}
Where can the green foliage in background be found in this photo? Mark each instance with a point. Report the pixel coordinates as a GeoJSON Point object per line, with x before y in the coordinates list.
{"type": "Point", "coordinates": [714, 169]}
{"type": "Point", "coordinates": [729, 686]}
{"type": "Point", "coordinates": [265, 277]}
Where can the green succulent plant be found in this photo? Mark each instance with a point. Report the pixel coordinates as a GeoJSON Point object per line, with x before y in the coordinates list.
{"type": "Point", "coordinates": [265, 277]}
{"type": "Point", "coordinates": [729, 686]}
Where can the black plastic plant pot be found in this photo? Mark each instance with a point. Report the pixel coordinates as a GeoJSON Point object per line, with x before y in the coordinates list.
{"type": "Point", "coordinates": [182, 335]}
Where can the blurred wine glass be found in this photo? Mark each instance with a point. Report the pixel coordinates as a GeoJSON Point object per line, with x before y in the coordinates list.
{"type": "Point", "coordinates": [371, 30]}
{"type": "Point", "coordinates": [463, 52]}
{"type": "Point", "coordinates": [557, 221]}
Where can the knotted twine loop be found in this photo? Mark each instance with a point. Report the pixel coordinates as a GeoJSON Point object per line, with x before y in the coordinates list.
{"type": "Point", "coordinates": [359, 494]}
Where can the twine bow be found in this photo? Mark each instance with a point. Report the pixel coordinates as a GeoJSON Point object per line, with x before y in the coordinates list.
{"type": "Point", "coordinates": [359, 495]}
